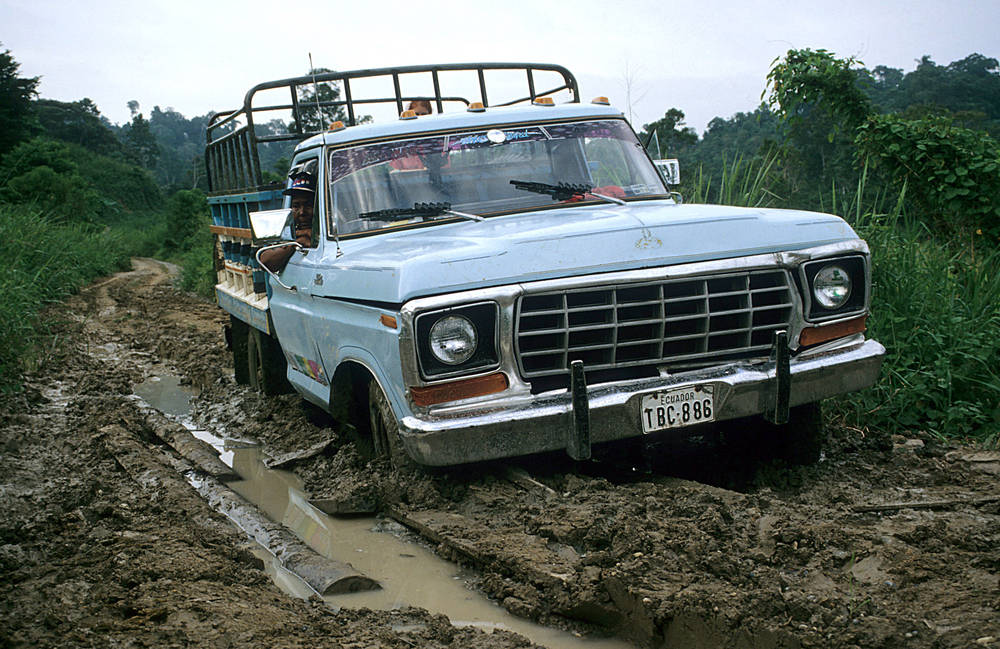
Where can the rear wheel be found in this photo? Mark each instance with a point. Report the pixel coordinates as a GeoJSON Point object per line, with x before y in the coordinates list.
{"type": "Point", "coordinates": [238, 332]}
{"type": "Point", "coordinates": [266, 365]}
{"type": "Point", "coordinates": [385, 429]}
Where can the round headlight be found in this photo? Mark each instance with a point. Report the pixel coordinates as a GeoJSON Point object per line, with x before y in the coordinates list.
{"type": "Point", "coordinates": [832, 287]}
{"type": "Point", "coordinates": [453, 339]}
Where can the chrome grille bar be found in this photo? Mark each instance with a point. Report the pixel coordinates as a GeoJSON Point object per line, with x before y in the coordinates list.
{"type": "Point", "coordinates": [669, 322]}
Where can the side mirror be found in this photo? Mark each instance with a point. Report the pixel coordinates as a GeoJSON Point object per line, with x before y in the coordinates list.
{"type": "Point", "coordinates": [670, 169]}
{"type": "Point", "coordinates": [266, 226]}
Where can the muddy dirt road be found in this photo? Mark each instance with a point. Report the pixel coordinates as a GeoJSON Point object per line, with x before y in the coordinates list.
{"type": "Point", "coordinates": [884, 543]}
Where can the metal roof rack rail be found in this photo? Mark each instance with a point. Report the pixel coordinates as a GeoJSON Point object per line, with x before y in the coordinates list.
{"type": "Point", "coordinates": [231, 152]}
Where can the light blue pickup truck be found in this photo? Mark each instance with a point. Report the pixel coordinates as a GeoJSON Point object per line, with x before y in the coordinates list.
{"type": "Point", "coordinates": [500, 279]}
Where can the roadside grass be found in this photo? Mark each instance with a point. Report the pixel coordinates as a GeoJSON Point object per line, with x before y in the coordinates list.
{"type": "Point", "coordinates": [197, 267]}
{"type": "Point", "coordinates": [743, 183]}
{"type": "Point", "coordinates": [46, 261]}
{"type": "Point", "coordinates": [935, 306]}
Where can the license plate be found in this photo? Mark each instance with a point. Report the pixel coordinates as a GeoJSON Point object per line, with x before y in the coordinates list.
{"type": "Point", "coordinates": [677, 408]}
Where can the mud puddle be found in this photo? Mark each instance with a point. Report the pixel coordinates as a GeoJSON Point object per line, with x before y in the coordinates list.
{"type": "Point", "coordinates": [409, 573]}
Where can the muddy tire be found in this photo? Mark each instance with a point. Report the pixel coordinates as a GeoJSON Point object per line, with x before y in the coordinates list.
{"type": "Point", "coordinates": [266, 365]}
{"type": "Point", "coordinates": [801, 439]}
{"type": "Point", "coordinates": [237, 339]}
{"type": "Point", "coordinates": [384, 429]}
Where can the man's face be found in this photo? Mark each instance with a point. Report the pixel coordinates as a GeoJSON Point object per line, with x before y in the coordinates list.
{"type": "Point", "coordinates": [302, 209]}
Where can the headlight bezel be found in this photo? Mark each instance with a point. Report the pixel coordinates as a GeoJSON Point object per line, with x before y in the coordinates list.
{"type": "Point", "coordinates": [483, 316]}
{"type": "Point", "coordinates": [856, 268]}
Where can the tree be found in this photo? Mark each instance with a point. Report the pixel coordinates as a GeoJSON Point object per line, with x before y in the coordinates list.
{"type": "Point", "coordinates": [181, 142]}
{"type": "Point", "coordinates": [17, 121]}
{"type": "Point", "coordinates": [668, 135]}
{"type": "Point", "coordinates": [315, 116]}
{"type": "Point", "coordinates": [634, 93]}
{"type": "Point", "coordinates": [807, 78]}
{"type": "Point", "coordinates": [140, 143]}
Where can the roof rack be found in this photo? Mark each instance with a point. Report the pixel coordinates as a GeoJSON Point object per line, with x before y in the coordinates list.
{"type": "Point", "coordinates": [231, 142]}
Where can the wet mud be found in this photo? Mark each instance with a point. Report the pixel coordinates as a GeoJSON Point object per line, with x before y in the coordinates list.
{"type": "Point", "coordinates": [664, 543]}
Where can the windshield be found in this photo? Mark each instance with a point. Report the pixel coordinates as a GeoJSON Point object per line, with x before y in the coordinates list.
{"type": "Point", "coordinates": [472, 172]}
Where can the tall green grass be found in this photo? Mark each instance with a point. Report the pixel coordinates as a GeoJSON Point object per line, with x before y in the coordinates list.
{"type": "Point", "coordinates": [743, 182]}
{"type": "Point", "coordinates": [935, 306]}
{"type": "Point", "coordinates": [44, 261]}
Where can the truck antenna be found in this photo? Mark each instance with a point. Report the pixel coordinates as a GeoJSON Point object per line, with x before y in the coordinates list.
{"type": "Point", "coordinates": [319, 112]}
{"type": "Point", "coordinates": [319, 109]}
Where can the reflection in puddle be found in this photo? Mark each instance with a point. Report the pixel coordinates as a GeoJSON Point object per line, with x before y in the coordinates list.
{"type": "Point", "coordinates": [410, 574]}
{"type": "Point", "coordinates": [164, 392]}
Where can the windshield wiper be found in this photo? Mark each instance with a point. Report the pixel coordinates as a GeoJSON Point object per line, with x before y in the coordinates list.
{"type": "Point", "coordinates": [563, 191]}
{"type": "Point", "coordinates": [418, 209]}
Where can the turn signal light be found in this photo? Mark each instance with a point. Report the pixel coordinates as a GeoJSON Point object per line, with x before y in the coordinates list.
{"type": "Point", "coordinates": [603, 101]}
{"type": "Point", "coordinates": [462, 389]}
{"type": "Point", "coordinates": [388, 321]}
{"type": "Point", "coordinates": [408, 114]}
{"type": "Point", "coordinates": [824, 333]}
{"type": "Point", "coordinates": [476, 107]}
{"type": "Point", "coordinates": [336, 126]}
{"type": "Point", "coordinates": [544, 101]}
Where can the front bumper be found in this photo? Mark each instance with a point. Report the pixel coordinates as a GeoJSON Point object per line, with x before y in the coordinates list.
{"type": "Point", "coordinates": [522, 426]}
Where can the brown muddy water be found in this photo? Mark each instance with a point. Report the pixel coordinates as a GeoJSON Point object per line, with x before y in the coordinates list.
{"type": "Point", "coordinates": [409, 573]}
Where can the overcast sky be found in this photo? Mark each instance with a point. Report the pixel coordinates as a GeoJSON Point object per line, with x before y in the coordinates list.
{"type": "Point", "coordinates": [708, 58]}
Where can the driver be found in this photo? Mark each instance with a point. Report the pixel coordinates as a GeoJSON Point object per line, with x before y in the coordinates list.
{"type": "Point", "coordinates": [303, 193]}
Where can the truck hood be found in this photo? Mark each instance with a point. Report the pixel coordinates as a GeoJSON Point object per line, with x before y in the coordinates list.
{"type": "Point", "coordinates": [395, 267]}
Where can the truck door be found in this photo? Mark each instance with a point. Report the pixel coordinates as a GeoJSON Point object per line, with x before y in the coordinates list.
{"type": "Point", "coordinates": [292, 311]}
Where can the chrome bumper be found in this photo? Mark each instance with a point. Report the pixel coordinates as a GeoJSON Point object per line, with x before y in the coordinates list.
{"type": "Point", "coordinates": [507, 428]}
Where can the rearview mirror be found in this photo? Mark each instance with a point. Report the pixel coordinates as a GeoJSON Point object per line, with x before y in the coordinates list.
{"type": "Point", "coordinates": [266, 226]}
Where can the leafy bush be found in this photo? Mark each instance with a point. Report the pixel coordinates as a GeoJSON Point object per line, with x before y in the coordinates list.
{"type": "Point", "coordinates": [953, 172]}
{"type": "Point", "coordinates": [49, 174]}
{"type": "Point", "coordinates": [197, 266]}
{"type": "Point", "coordinates": [62, 196]}
{"type": "Point", "coordinates": [187, 216]}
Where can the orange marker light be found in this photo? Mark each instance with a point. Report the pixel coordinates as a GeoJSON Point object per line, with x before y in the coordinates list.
{"type": "Point", "coordinates": [544, 101]}
{"type": "Point", "coordinates": [603, 101]}
{"type": "Point", "coordinates": [822, 334]}
{"type": "Point", "coordinates": [476, 107]}
{"type": "Point", "coordinates": [408, 114]}
{"type": "Point", "coordinates": [336, 126]}
{"type": "Point", "coordinates": [462, 389]}
{"type": "Point", "coordinates": [388, 321]}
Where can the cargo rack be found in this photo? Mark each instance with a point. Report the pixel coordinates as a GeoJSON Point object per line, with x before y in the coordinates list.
{"type": "Point", "coordinates": [231, 156]}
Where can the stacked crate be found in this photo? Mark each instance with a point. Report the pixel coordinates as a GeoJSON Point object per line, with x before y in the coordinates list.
{"type": "Point", "coordinates": [237, 269]}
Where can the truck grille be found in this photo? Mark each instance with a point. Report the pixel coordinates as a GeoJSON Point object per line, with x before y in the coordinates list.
{"type": "Point", "coordinates": [675, 322]}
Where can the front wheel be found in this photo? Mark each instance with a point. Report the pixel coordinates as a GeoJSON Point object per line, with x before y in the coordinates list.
{"type": "Point", "coordinates": [385, 429]}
